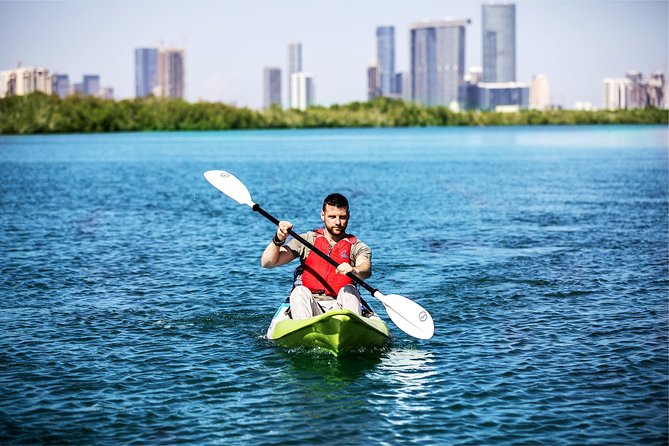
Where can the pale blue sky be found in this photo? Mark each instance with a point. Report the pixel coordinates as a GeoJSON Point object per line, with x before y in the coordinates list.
{"type": "Point", "coordinates": [575, 43]}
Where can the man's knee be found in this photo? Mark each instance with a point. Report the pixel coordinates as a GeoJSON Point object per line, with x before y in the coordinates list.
{"type": "Point", "coordinates": [350, 290]}
{"type": "Point", "coordinates": [300, 292]}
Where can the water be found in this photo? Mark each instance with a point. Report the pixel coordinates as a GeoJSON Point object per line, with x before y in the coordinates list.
{"type": "Point", "coordinates": [133, 306]}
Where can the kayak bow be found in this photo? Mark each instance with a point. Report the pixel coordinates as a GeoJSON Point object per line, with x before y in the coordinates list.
{"type": "Point", "coordinates": [337, 331]}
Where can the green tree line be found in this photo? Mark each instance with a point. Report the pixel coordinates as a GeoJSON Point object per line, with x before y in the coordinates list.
{"type": "Point", "coordinates": [40, 113]}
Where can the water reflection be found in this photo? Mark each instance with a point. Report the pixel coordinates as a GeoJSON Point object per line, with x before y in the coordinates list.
{"type": "Point", "coordinates": [405, 377]}
{"type": "Point", "coordinates": [337, 372]}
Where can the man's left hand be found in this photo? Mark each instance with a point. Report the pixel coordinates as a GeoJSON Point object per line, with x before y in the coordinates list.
{"type": "Point", "coordinates": [345, 268]}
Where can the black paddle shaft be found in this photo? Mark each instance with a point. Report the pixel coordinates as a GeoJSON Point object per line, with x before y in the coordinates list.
{"type": "Point", "coordinates": [296, 236]}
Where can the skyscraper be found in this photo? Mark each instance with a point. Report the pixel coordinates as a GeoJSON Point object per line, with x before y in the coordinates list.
{"type": "Point", "coordinates": [616, 93]}
{"type": "Point", "coordinates": [302, 90]}
{"type": "Point", "coordinates": [171, 73]}
{"type": "Point", "coordinates": [499, 42]}
{"type": "Point", "coordinates": [294, 66]}
{"type": "Point", "coordinates": [373, 82]}
{"type": "Point", "coordinates": [271, 87]}
{"type": "Point", "coordinates": [146, 71]}
{"type": "Point", "coordinates": [61, 85]}
{"type": "Point", "coordinates": [539, 93]}
{"type": "Point", "coordinates": [438, 61]}
{"type": "Point", "coordinates": [91, 84]}
{"type": "Point", "coordinates": [657, 90]}
{"type": "Point", "coordinates": [385, 55]}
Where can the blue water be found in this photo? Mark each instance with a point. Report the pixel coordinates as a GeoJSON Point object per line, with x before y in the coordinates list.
{"type": "Point", "coordinates": [133, 306]}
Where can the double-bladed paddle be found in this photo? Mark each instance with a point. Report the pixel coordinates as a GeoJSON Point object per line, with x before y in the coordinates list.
{"type": "Point", "coordinates": [405, 313]}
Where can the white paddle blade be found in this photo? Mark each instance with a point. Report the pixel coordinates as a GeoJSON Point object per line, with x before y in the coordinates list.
{"type": "Point", "coordinates": [409, 317]}
{"type": "Point", "coordinates": [230, 186]}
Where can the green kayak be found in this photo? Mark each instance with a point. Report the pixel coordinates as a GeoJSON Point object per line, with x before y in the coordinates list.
{"type": "Point", "coordinates": [337, 331]}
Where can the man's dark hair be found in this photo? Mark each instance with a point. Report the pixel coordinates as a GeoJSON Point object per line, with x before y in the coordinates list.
{"type": "Point", "coordinates": [336, 200]}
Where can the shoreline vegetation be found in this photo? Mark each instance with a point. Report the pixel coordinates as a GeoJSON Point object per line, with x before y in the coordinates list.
{"type": "Point", "coordinates": [39, 113]}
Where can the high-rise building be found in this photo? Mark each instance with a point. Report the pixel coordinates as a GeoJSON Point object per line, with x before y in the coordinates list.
{"type": "Point", "coordinates": [60, 85]}
{"type": "Point", "coordinates": [146, 71]}
{"type": "Point", "coordinates": [302, 90]}
{"type": "Point", "coordinates": [406, 87]}
{"type": "Point", "coordinates": [294, 66]}
{"type": "Point", "coordinates": [638, 89]}
{"type": "Point", "coordinates": [438, 61]}
{"type": "Point", "coordinates": [616, 93]}
{"type": "Point", "coordinates": [539, 93]}
{"type": "Point", "coordinates": [25, 80]}
{"type": "Point", "coordinates": [398, 85]}
{"type": "Point", "coordinates": [657, 90]}
{"type": "Point", "coordinates": [499, 42]}
{"type": "Point", "coordinates": [385, 55]}
{"type": "Point", "coordinates": [171, 73]}
{"type": "Point", "coordinates": [91, 84]}
{"type": "Point", "coordinates": [271, 87]}
{"type": "Point", "coordinates": [373, 81]}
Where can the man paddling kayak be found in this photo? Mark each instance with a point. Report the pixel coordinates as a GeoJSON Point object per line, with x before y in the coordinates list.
{"type": "Point", "coordinates": [322, 286]}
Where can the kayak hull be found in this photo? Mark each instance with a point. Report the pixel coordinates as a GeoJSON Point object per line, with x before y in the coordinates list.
{"type": "Point", "coordinates": [337, 331]}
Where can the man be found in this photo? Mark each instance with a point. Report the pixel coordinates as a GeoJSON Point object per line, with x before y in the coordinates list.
{"type": "Point", "coordinates": [322, 286]}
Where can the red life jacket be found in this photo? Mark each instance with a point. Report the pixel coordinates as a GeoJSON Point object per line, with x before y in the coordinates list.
{"type": "Point", "coordinates": [321, 277]}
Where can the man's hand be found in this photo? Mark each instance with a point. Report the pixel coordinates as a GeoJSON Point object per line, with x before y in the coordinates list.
{"type": "Point", "coordinates": [345, 268]}
{"type": "Point", "coordinates": [282, 230]}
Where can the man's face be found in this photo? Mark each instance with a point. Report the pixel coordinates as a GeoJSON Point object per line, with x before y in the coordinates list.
{"type": "Point", "coordinates": [335, 219]}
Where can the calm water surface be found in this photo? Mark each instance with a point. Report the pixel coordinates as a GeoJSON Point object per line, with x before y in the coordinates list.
{"type": "Point", "coordinates": [133, 306]}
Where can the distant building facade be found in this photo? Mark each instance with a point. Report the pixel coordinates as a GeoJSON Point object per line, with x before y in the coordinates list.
{"type": "Point", "coordinates": [302, 90]}
{"type": "Point", "coordinates": [171, 73]}
{"type": "Point", "coordinates": [437, 60]}
{"type": "Point", "coordinates": [470, 99]}
{"type": "Point", "coordinates": [271, 87]}
{"type": "Point", "coordinates": [146, 71]}
{"type": "Point", "coordinates": [373, 81]}
{"type": "Point", "coordinates": [502, 96]}
{"type": "Point", "coordinates": [399, 85]}
{"type": "Point", "coordinates": [60, 85]}
{"type": "Point", "coordinates": [657, 90]}
{"type": "Point", "coordinates": [91, 84]}
{"type": "Point", "coordinates": [25, 80]}
{"type": "Point", "coordinates": [539, 93]}
{"type": "Point", "coordinates": [633, 91]}
{"type": "Point", "coordinates": [499, 42]}
{"type": "Point", "coordinates": [617, 93]}
{"type": "Point", "coordinates": [106, 93]}
{"type": "Point", "coordinates": [385, 56]}
{"type": "Point", "coordinates": [294, 66]}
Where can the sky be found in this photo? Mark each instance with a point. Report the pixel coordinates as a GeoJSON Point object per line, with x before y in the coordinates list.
{"type": "Point", "coordinates": [576, 44]}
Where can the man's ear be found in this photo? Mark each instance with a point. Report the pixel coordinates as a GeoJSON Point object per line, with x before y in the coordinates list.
{"type": "Point", "coordinates": [322, 215]}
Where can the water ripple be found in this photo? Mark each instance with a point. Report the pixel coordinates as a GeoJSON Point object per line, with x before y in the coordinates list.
{"type": "Point", "coordinates": [134, 308]}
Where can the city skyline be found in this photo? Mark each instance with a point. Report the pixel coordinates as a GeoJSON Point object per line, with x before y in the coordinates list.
{"type": "Point", "coordinates": [575, 44]}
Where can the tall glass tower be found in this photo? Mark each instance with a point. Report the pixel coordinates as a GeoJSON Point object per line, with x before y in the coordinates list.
{"type": "Point", "coordinates": [438, 61]}
{"type": "Point", "coordinates": [146, 71]}
{"type": "Point", "coordinates": [171, 73]}
{"type": "Point", "coordinates": [271, 87]}
{"type": "Point", "coordinates": [499, 42]}
{"type": "Point", "coordinates": [91, 84]}
{"type": "Point", "coordinates": [294, 66]}
{"type": "Point", "coordinates": [385, 55]}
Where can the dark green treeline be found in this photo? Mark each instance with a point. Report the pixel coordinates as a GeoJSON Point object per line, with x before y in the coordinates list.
{"type": "Point", "coordinates": [40, 113]}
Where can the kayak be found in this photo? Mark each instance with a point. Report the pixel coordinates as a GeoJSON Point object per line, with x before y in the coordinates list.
{"type": "Point", "coordinates": [337, 331]}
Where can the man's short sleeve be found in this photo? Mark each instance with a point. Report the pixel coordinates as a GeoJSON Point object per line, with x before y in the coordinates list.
{"type": "Point", "coordinates": [298, 249]}
{"type": "Point", "coordinates": [359, 251]}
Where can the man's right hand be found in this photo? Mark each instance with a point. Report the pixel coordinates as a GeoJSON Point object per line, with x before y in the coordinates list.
{"type": "Point", "coordinates": [282, 230]}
